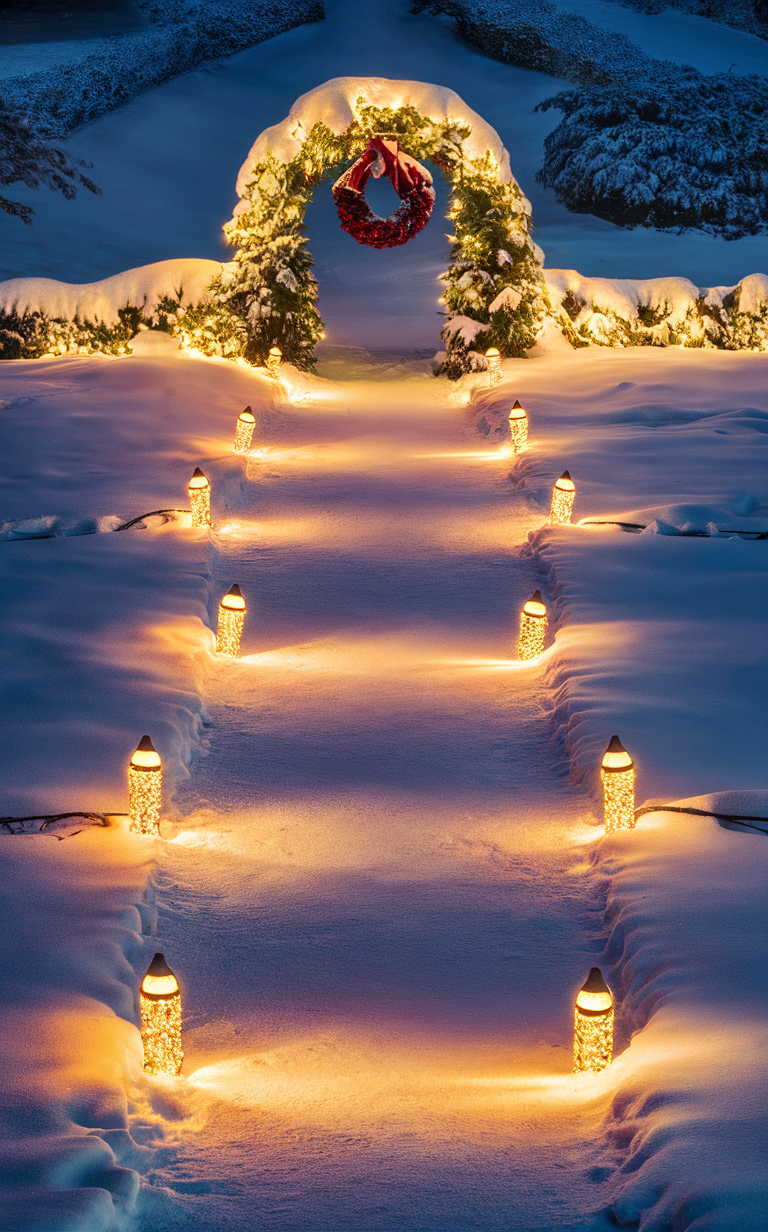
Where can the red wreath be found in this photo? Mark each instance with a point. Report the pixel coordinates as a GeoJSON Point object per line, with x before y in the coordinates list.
{"type": "Point", "coordinates": [411, 182]}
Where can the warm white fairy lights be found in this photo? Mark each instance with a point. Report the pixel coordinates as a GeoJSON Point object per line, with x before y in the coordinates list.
{"type": "Point", "coordinates": [518, 427]}
{"type": "Point", "coordinates": [145, 788]}
{"type": "Point", "coordinates": [563, 495]}
{"type": "Point", "coordinates": [618, 774]}
{"type": "Point", "coordinates": [231, 621]}
{"type": "Point", "coordinates": [593, 1025]}
{"type": "Point", "coordinates": [274, 360]}
{"type": "Point", "coordinates": [493, 359]}
{"type": "Point", "coordinates": [533, 627]}
{"type": "Point", "coordinates": [160, 1005]}
{"type": "Point", "coordinates": [246, 422]}
{"type": "Point", "coordinates": [200, 498]}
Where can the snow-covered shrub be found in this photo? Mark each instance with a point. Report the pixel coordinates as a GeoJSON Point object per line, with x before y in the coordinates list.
{"type": "Point", "coordinates": [39, 316]}
{"type": "Point", "coordinates": [495, 273]}
{"type": "Point", "coordinates": [660, 312]}
{"type": "Point", "coordinates": [689, 155]}
{"type": "Point", "coordinates": [643, 142]}
{"type": "Point", "coordinates": [749, 15]}
{"type": "Point", "coordinates": [60, 99]}
{"type": "Point", "coordinates": [32, 334]}
{"type": "Point", "coordinates": [536, 34]}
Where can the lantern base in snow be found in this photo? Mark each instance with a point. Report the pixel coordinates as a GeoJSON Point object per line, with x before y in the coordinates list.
{"type": "Point", "coordinates": [562, 505]}
{"type": "Point", "coordinates": [200, 502]}
{"type": "Point", "coordinates": [533, 630]}
{"type": "Point", "coordinates": [145, 794]}
{"type": "Point", "coordinates": [619, 799]}
{"type": "Point", "coordinates": [229, 632]}
{"type": "Point", "coordinates": [244, 434]}
{"type": "Point", "coordinates": [592, 1040]}
{"type": "Point", "coordinates": [161, 1034]}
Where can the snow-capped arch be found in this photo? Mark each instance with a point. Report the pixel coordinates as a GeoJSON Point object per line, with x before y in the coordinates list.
{"type": "Point", "coordinates": [494, 286]}
{"type": "Point", "coordinates": [335, 104]}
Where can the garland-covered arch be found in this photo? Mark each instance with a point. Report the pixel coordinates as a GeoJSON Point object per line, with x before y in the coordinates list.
{"type": "Point", "coordinates": [266, 296]}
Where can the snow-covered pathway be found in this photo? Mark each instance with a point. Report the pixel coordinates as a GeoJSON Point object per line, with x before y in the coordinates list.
{"type": "Point", "coordinates": [376, 882]}
{"type": "Point", "coordinates": [373, 891]}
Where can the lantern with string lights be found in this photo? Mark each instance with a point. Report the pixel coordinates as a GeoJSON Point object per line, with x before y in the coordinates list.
{"type": "Point", "coordinates": [533, 627]}
{"type": "Point", "coordinates": [593, 1025]}
{"type": "Point", "coordinates": [246, 422]}
{"type": "Point", "coordinates": [274, 360]}
{"type": "Point", "coordinates": [493, 359]}
{"type": "Point", "coordinates": [231, 621]}
{"type": "Point", "coordinates": [200, 498]}
{"type": "Point", "coordinates": [618, 774]}
{"type": "Point", "coordinates": [518, 427]}
{"type": "Point", "coordinates": [160, 1005]}
{"type": "Point", "coordinates": [563, 495]}
{"type": "Point", "coordinates": [145, 788]}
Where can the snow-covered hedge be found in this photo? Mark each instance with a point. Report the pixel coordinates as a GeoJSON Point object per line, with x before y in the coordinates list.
{"type": "Point", "coordinates": [643, 142]}
{"type": "Point", "coordinates": [689, 155]}
{"type": "Point", "coordinates": [749, 15]}
{"type": "Point", "coordinates": [660, 312]}
{"type": "Point", "coordinates": [535, 34]}
{"type": "Point", "coordinates": [60, 99]}
{"type": "Point", "coordinates": [39, 316]}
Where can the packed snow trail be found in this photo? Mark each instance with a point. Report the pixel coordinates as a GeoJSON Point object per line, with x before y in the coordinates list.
{"type": "Point", "coordinates": [373, 896]}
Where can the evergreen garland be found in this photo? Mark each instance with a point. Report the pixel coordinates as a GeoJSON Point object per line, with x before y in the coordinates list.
{"type": "Point", "coordinates": [269, 286]}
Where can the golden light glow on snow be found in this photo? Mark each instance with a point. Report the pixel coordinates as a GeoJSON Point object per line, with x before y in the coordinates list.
{"type": "Point", "coordinates": [231, 621]}
{"type": "Point", "coordinates": [145, 788]}
{"type": "Point", "coordinates": [200, 498]}
{"type": "Point", "coordinates": [160, 1005]}
{"type": "Point", "coordinates": [246, 422]}
{"type": "Point", "coordinates": [563, 495]}
{"type": "Point", "coordinates": [618, 775]}
{"type": "Point", "coordinates": [533, 627]}
{"type": "Point", "coordinates": [593, 1025]}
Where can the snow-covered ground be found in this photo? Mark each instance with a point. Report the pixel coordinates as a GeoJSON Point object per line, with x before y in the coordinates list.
{"type": "Point", "coordinates": [382, 877]}
{"type": "Point", "coordinates": [378, 888]}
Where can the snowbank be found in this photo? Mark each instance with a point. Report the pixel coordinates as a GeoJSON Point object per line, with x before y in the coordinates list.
{"type": "Point", "coordinates": [660, 311]}
{"type": "Point", "coordinates": [333, 104]}
{"type": "Point", "coordinates": [623, 295]}
{"type": "Point", "coordinates": [688, 930]}
{"type": "Point", "coordinates": [187, 278]}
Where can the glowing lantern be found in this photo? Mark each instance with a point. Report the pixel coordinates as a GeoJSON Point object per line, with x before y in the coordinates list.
{"type": "Point", "coordinates": [518, 427]}
{"type": "Point", "coordinates": [618, 774]}
{"type": "Point", "coordinates": [231, 620]}
{"type": "Point", "coordinates": [145, 788]}
{"type": "Point", "coordinates": [200, 498]}
{"type": "Point", "coordinates": [160, 1005]}
{"type": "Point", "coordinates": [593, 1025]}
{"type": "Point", "coordinates": [533, 627]}
{"type": "Point", "coordinates": [494, 365]}
{"type": "Point", "coordinates": [246, 422]}
{"type": "Point", "coordinates": [274, 360]}
{"type": "Point", "coordinates": [563, 495]}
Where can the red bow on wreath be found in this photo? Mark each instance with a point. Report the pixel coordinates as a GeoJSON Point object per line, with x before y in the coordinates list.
{"type": "Point", "coordinates": [411, 182]}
